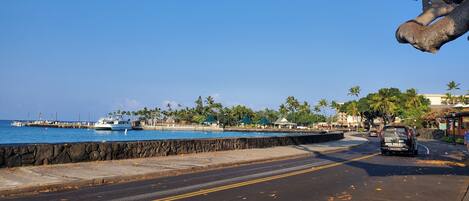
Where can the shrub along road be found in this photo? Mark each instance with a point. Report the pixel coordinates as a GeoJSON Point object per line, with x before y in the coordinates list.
{"type": "Point", "coordinates": [438, 173]}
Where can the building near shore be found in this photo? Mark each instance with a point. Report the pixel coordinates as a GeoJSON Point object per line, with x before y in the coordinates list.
{"type": "Point", "coordinates": [343, 119]}
{"type": "Point", "coordinates": [284, 123]}
{"type": "Point", "coordinates": [435, 99]}
{"type": "Point", "coordinates": [457, 124]}
{"type": "Point", "coordinates": [441, 111]}
{"type": "Point", "coordinates": [438, 101]}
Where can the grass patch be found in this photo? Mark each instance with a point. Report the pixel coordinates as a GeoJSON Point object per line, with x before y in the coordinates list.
{"type": "Point", "coordinates": [460, 141]}
{"type": "Point", "coordinates": [452, 140]}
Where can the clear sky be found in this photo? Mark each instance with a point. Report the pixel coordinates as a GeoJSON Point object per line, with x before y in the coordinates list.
{"type": "Point", "coordinates": [96, 56]}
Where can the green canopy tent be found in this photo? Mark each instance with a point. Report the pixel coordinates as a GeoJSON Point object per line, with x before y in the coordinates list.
{"type": "Point", "coordinates": [264, 121]}
{"type": "Point", "coordinates": [210, 120]}
{"type": "Point", "coordinates": [246, 120]}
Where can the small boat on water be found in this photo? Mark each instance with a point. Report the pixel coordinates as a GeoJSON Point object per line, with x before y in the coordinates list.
{"type": "Point", "coordinates": [17, 124]}
{"type": "Point", "coordinates": [113, 123]}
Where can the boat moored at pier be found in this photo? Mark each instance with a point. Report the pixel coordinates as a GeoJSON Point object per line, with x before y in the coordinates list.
{"type": "Point", "coordinates": [113, 123]}
{"type": "Point", "coordinates": [18, 124]}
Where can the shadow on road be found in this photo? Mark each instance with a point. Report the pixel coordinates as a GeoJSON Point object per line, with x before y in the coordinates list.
{"type": "Point", "coordinates": [383, 166]}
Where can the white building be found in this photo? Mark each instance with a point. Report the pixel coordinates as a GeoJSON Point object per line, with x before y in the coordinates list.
{"type": "Point", "coordinates": [437, 102]}
{"type": "Point", "coordinates": [348, 120]}
{"type": "Point", "coordinates": [435, 99]}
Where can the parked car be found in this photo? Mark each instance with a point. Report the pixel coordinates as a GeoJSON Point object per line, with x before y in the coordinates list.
{"type": "Point", "coordinates": [398, 138]}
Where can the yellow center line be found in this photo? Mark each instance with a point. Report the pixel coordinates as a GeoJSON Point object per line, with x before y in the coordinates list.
{"type": "Point", "coordinates": [260, 180]}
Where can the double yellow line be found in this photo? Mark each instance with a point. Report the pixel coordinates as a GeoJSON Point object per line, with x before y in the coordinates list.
{"type": "Point", "coordinates": [260, 180]}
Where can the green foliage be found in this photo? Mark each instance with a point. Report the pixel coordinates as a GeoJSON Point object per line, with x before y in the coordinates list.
{"type": "Point", "coordinates": [414, 108]}
{"type": "Point", "coordinates": [389, 103]}
{"type": "Point", "coordinates": [237, 113]}
{"type": "Point", "coordinates": [354, 91]}
{"type": "Point", "coordinates": [301, 113]}
{"type": "Point", "coordinates": [386, 102]}
{"type": "Point", "coordinates": [198, 118]}
{"type": "Point", "coordinates": [292, 104]}
{"type": "Point", "coordinates": [352, 108]}
{"type": "Point", "coordinates": [335, 105]}
{"type": "Point", "coordinates": [453, 86]}
{"type": "Point", "coordinates": [269, 114]}
{"type": "Point", "coordinates": [450, 98]}
{"type": "Point", "coordinates": [449, 139]}
{"type": "Point", "coordinates": [199, 106]}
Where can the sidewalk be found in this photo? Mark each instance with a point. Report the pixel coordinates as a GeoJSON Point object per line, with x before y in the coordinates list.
{"type": "Point", "coordinates": [74, 175]}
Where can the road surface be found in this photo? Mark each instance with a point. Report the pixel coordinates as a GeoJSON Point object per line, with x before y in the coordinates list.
{"type": "Point", "coordinates": [357, 174]}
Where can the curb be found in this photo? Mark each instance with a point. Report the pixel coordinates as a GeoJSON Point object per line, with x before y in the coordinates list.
{"type": "Point", "coordinates": [123, 179]}
{"type": "Point", "coordinates": [465, 196]}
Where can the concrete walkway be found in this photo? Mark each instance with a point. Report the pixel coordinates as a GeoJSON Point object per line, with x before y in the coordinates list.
{"type": "Point", "coordinates": [74, 175]}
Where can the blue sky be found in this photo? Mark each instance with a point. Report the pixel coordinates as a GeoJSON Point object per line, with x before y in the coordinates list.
{"type": "Point", "coordinates": [96, 56]}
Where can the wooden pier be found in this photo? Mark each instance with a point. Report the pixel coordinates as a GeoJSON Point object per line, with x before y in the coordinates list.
{"type": "Point", "coordinates": [45, 124]}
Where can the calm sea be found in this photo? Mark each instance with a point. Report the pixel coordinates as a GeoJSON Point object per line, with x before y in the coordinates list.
{"type": "Point", "coordinates": [10, 135]}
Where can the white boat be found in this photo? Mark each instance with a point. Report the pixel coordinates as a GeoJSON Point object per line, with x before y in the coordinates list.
{"type": "Point", "coordinates": [17, 124]}
{"type": "Point", "coordinates": [113, 123]}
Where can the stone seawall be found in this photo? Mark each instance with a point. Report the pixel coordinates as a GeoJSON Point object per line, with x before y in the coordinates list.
{"type": "Point", "coordinates": [15, 155]}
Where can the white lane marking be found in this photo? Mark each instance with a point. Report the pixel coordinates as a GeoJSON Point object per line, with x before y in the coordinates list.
{"type": "Point", "coordinates": [428, 150]}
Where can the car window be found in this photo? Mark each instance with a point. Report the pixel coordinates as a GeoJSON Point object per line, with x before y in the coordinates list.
{"type": "Point", "coordinates": [393, 131]}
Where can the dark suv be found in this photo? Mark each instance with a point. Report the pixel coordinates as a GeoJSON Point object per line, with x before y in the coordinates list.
{"type": "Point", "coordinates": [398, 138]}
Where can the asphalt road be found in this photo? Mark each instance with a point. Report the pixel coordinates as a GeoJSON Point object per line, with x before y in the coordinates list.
{"type": "Point", "coordinates": [357, 174]}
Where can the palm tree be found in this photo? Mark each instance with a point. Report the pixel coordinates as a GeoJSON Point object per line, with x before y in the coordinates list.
{"type": "Point", "coordinates": [335, 105]}
{"type": "Point", "coordinates": [317, 108]}
{"type": "Point", "coordinates": [413, 100]}
{"type": "Point", "coordinates": [462, 99]}
{"type": "Point", "coordinates": [321, 105]}
{"type": "Point", "coordinates": [354, 91]}
{"type": "Point", "coordinates": [305, 108]}
{"type": "Point", "coordinates": [352, 109]}
{"type": "Point", "coordinates": [450, 98]}
{"type": "Point", "coordinates": [292, 104]}
{"type": "Point", "coordinates": [385, 103]}
{"type": "Point", "coordinates": [453, 86]}
{"type": "Point", "coordinates": [199, 106]}
{"type": "Point", "coordinates": [209, 101]}
{"type": "Point", "coordinates": [283, 110]}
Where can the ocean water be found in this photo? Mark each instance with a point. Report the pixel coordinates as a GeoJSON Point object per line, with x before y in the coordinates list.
{"type": "Point", "coordinates": [14, 135]}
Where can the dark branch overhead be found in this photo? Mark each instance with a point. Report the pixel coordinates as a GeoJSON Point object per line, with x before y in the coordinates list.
{"type": "Point", "coordinates": [441, 22]}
